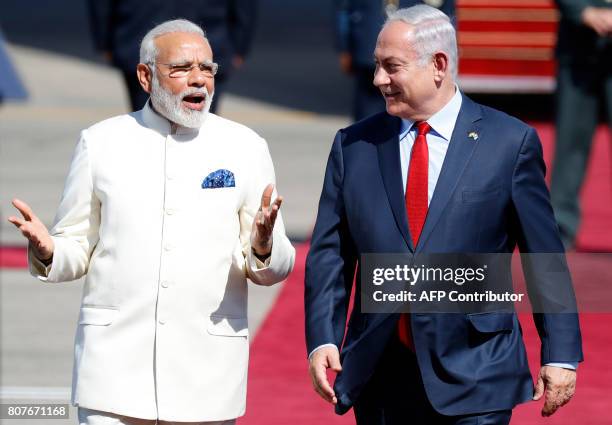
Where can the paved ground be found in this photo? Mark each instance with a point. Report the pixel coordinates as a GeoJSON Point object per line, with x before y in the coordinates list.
{"type": "Point", "coordinates": [70, 91]}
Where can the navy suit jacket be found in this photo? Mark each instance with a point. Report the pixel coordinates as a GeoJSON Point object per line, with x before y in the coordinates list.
{"type": "Point", "coordinates": [489, 198]}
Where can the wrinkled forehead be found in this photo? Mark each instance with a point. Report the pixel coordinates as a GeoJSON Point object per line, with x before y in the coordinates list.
{"type": "Point", "coordinates": [395, 40]}
{"type": "Point", "coordinates": [180, 47]}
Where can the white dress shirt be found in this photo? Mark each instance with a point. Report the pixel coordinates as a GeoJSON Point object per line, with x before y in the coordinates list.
{"type": "Point", "coordinates": [442, 124]}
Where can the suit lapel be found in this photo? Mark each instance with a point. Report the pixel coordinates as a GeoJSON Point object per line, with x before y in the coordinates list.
{"type": "Point", "coordinates": [460, 149]}
{"type": "Point", "coordinates": [390, 168]}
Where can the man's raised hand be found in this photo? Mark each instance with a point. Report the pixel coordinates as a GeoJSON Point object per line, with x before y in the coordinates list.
{"type": "Point", "coordinates": [263, 224]}
{"type": "Point", "coordinates": [34, 230]}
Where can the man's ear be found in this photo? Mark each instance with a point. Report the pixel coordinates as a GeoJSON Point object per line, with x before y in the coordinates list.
{"type": "Point", "coordinates": [440, 66]}
{"type": "Point", "coordinates": [145, 76]}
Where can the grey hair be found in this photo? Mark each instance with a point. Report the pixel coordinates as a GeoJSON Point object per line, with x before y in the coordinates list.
{"type": "Point", "coordinates": [433, 32]}
{"type": "Point", "coordinates": [148, 49]}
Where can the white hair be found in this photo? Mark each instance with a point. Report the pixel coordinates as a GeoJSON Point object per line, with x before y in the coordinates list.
{"type": "Point", "coordinates": [433, 32]}
{"type": "Point", "coordinates": [148, 49]}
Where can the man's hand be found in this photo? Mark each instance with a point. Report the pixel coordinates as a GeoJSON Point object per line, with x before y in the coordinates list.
{"type": "Point", "coordinates": [322, 359]}
{"type": "Point", "coordinates": [263, 224]}
{"type": "Point", "coordinates": [599, 19]}
{"type": "Point", "coordinates": [559, 385]}
{"type": "Point", "coordinates": [34, 230]}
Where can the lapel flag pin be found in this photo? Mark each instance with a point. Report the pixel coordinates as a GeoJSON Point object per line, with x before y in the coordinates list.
{"type": "Point", "coordinates": [473, 135]}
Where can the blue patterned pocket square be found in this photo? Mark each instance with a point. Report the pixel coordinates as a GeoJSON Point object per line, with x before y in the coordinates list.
{"type": "Point", "coordinates": [219, 178]}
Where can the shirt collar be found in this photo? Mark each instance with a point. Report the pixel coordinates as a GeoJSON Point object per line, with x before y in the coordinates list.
{"type": "Point", "coordinates": [161, 124]}
{"type": "Point", "coordinates": [443, 121]}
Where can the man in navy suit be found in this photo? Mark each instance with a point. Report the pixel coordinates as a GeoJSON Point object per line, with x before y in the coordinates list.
{"type": "Point", "coordinates": [357, 23]}
{"type": "Point", "coordinates": [435, 173]}
{"type": "Point", "coordinates": [119, 26]}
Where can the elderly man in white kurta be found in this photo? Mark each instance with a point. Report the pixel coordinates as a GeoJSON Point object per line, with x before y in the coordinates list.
{"type": "Point", "coordinates": [166, 211]}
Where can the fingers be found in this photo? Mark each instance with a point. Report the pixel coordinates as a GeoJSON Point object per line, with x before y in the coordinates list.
{"type": "Point", "coordinates": [274, 210]}
{"type": "Point", "coordinates": [266, 217]}
{"type": "Point", "coordinates": [24, 209]}
{"type": "Point", "coordinates": [266, 197]}
{"type": "Point", "coordinates": [560, 385]}
{"type": "Point", "coordinates": [554, 399]}
{"type": "Point", "coordinates": [539, 388]}
{"type": "Point", "coordinates": [16, 221]}
{"type": "Point", "coordinates": [322, 386]}
{"type": "Point", "coordinates": [26, 228]}
{"type": "Point", "coordinates": [264, 220]}
{"type": "Point", "coordinates": [334, 361]}
{"type": "Point", "coordinates": [557, 396]}
{"type": "Point", "coordinates": [33, 230]}
{"type": "Point", "coordinates": [321, 360]}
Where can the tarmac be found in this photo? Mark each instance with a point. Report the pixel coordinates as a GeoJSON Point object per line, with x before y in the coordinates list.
{"type": "Point", "coordinates": [68, 94]}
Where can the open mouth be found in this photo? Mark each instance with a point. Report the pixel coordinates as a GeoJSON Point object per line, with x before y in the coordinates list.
{"type": "Point", "coordinates": [195, 101]}
{"type": "Point", "coordinates": [392, 95]}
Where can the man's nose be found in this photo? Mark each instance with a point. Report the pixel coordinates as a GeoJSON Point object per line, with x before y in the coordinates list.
{"type": "Point", "coordinates": [381, 78]}
{"type": "Point", "coordinates": [197, 78]}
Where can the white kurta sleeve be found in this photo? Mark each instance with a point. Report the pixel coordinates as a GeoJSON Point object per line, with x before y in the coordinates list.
{"type": "Point", "coordinates": [280, 263]}
{"type": "Point", "coordinates": [75, 232]}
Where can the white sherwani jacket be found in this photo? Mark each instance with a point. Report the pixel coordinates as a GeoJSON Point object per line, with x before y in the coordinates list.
{"type": "Point", "coordinates": [162, 329]}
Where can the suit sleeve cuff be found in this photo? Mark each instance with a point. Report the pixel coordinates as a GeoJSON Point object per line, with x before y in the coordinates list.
{"type": "Point", "coordinates": [321, 346]}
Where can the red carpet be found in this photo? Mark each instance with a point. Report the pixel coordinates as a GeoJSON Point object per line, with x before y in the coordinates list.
{"type": "Point", "coordinates": [594, 234]}
{"type": "Point", "coordinates": [13, 257]}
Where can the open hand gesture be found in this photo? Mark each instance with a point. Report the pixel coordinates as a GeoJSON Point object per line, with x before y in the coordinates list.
{"type": "Point", "coordinates": [263, 224]}
{"type": "Point", "coordinates": [34, 230]}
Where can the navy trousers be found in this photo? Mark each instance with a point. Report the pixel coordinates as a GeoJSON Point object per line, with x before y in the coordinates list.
{"type": "Point", "coordinates": [395, 396]}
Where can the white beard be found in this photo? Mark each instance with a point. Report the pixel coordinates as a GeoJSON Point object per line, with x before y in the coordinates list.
{"type": "Point", "coordinates": [170, 105]}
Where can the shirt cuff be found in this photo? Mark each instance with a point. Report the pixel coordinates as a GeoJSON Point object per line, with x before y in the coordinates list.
{"type": "Point", "coordinates": [37, 267]}
{"type": "Point", "coordinates": [321, 346]}
{"type": "Point", "coordinates": [564, 365]}
{"type": "Point", "coordinates": [256, 264]}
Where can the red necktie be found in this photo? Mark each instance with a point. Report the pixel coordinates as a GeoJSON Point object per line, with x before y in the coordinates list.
{"type": "Point", "coordinates": [416, 206]}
